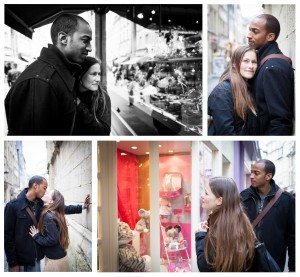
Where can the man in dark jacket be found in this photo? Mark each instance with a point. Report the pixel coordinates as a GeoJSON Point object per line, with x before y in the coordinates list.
{"type": "Point", "coordinates": [22, 253]}
{"type": "Point", "coordinates": [274, 81]}
{"type": "Point", "coordinates": [43, 100]}
{"type": "Point", "coordinates": [277, 227]}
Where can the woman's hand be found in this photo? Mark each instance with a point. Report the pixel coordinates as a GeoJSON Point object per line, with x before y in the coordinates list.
{"type": "Point", "coordinates": [203, 227]}
{"type": "Point", "coordinates": [33, 230]}
{"type": "Point", "coordinates": [78, 101]}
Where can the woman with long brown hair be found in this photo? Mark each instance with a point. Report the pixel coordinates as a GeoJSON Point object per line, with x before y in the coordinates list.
{"type": "Point", "coordinates": [52, 232]}
{"type": "Point", "coordinates": [230, 105]}
{"type": "Point", "coordinates": [93, 112]}
{"type": "Point", "coordinates": [226, 241]}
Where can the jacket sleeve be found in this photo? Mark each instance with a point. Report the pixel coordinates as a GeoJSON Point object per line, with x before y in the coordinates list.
{"type": "Point", "coordinates": [51, 236]}
{"type": "Point", "coordinates": [94, 127]}
{"type": "Point", "coordinates": [73, 209]}
{"type": "Point", "coordinates": [291, 235]}
{"type": "Point", "coordinates": [279, 97]}
{"type": "Point", "coordinates": [201, 261]}
{"type": "Point", "coordinates": [220, 107]}
{"type": "Point", "coordinates": [9, 231]}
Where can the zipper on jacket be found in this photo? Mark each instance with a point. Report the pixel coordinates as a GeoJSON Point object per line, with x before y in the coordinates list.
{"type": "Point", "coordinates": [260, 205]}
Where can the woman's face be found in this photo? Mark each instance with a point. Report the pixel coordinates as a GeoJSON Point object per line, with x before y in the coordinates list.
{"type": "Point", "coordinates": [47, 198]}
{"type": "Point", "coordinates": [248, 65]}
{"type": "Point", "coordinates": [209, 201]}
{"type": "Point", "coordinates": [91, 78]}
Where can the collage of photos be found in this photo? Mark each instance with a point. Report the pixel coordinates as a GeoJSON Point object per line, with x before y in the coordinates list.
{"type": "Point", "coordinates": [152, 138]}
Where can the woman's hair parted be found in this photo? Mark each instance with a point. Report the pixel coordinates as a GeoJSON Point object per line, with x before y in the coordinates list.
{"type": "Point", "coordinates": [98, 97]}
{"type": "Point", "coordinates": [241, 97]}
{"type": "Point", "coordinates": [229, 243]}
{"type": "Point", "coordinates": [57, 208]}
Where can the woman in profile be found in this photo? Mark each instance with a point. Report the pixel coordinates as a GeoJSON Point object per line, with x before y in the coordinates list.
{"type": "Point", "coordinates": [93, 103]}
{"type": "Point", "coordinates": [226, 241]}
{"type": "Point", "coordinates": [230, 105]}
{"type": "Point", "coordinates": [52, 232]}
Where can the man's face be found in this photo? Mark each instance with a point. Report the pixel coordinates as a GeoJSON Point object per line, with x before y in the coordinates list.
{"type": "Point", "coordinates": [79, 44]}
{"type": "Point", "coordinates": [257, 35]}
{"type": "Point", "coordinates": [258, 176]}
{"type": "Point", "coordinates": [40, 190]}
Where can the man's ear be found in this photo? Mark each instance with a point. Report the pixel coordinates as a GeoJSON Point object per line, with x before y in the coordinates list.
{"type": "Point", "coordinates": [269, 176]}
{"type": "Point", "coordinates": [270, 36]}
{"type": "Point", "coordinates": [62, 38]}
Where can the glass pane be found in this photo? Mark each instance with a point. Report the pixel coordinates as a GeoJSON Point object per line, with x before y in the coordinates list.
{"type": "Point", "coordinates": [175, 206]}
{"type": "Point", "coordinates": [133, 204]}
{"type": "Point", "coordinates": [205, 159]}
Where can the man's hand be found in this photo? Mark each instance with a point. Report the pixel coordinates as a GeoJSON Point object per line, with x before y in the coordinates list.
{"type": "Point", "coordinates": [86, 204]}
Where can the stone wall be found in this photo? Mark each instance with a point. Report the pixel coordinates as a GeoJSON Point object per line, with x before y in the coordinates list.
{"type": "Point", "coordinates": [70, 172]}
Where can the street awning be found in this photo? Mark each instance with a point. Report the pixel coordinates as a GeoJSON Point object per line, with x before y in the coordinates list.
{"type": "Point", "coordinates": [136, 60]}
{"type": "Point", "coordinates": [121, 59]}
{"type": "Point", "coordinates": [27, 59]}
{"type": "Point", "coordinates": [24, 18]}
{"type": "Point", "coordinates": [163, 17]}
{"type": "Point", "coordinates": [12, 59]}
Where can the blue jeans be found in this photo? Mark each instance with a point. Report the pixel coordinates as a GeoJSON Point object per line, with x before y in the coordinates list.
{"type": "Point", "coordinates": [31, 268]}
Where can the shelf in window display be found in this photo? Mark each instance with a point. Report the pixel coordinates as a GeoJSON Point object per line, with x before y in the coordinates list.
{"type": "Point", "coordinates": [187, 209]}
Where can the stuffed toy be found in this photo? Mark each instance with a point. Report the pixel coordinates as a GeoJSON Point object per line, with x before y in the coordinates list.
{"type": "Point", "coordinates": [168, 182]}
{"type": "Point", "coordinates": [171, 240]}
{"type": "Point", "coordinates": [187, 200]}
{"type": "Point", "coordinates": [165, 209]}
{"type": "Point", "coordinates": [129, 259]}
{"type": "Point", "coordinates": [182, 241]}
{"type": "Point", "coordinates": [143, 225]}
{"type": "Point", "coordinates": [174, 239]}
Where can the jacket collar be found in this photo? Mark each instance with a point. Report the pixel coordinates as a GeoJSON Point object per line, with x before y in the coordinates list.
{"type": "Point", "coordinates": [65, 69]}
{"type": "Point", "coordinates": [25, 202]}
{"type": "Point", "coordinates": [270, 47]}
{"type": "Point", "coordinates": [272, 192]}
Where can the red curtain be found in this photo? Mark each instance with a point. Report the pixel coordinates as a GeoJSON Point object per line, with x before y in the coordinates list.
{"type": "Point", "coordinates": [127, 178]}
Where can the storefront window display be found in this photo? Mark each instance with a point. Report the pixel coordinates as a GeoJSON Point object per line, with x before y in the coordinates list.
{"type": "Point", "coordinates": [175, 204]}
{"type": "Point", "coordinates": [133, 207]}
{"type": "Point", "coordinates": [174, 189]}
{"type": "Point", "coordinates": [163, 72]}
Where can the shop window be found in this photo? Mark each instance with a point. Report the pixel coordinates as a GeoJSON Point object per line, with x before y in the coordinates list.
{"type": "Point", "coordinates": [133, 205]}
{"type": "Point", "coordinates": [175, 206]}
{"type": "Point", "coordinates": [167, 63]}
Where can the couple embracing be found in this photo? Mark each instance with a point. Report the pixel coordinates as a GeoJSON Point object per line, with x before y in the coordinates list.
{"type": "Point", "coordinates": [60, 93]}
{"type": "Point", "coordinates": [255, 94]}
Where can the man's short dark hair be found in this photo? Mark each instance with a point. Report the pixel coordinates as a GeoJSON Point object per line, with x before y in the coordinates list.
{"type": "Point", "coordinates": [272, 24]}
{"type": "Point", "coordinates": [35, 179]}
{"type": "Point", "coordinates": [65, 23]}
{"type": "Point", "coordinates": [269, 166]}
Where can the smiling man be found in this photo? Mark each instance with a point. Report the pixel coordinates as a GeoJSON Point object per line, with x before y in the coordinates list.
{"type": "Point", "coordinates": [274, 81]}
{"type": "Point", "coordinates": [277, 228]}
{"type": "Point", "coordinates": [43, 100]}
